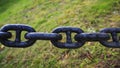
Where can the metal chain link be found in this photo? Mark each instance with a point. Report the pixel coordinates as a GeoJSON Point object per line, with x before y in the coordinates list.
{"type": "Point", "coordinates": [109, 37]}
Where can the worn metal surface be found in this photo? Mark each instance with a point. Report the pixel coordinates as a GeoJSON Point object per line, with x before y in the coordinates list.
{"type": "Point", "coordinates": [17, 42]}
{"type": "Point", "coordinates": [92, 36]}
{"type": "Point", "coordinates": [108, 37]}
{"type": "Point", "coordinates": [43, 36]}
{"type": "Point", "coordinates": [115, 42]}
{"type": "Point", "coordinates": [68, 43]}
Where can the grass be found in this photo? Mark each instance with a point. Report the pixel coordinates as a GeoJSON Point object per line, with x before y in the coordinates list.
{"type": "Point", "coordinates": [44, 16]}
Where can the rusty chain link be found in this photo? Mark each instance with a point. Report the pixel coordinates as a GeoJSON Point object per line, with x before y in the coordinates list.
{"type": "Point", "coordinates": [108, 37]}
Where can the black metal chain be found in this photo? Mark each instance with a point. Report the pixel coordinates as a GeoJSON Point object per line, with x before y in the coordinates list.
{"type": "Point", "coordinates": [108, 37]}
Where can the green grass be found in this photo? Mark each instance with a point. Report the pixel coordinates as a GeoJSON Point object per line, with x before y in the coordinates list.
{"type": "Point", "coordinates": [44, 16]}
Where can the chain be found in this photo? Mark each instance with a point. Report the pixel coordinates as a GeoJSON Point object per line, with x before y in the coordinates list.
{"type": "Point", "coordinates": [108, 37]}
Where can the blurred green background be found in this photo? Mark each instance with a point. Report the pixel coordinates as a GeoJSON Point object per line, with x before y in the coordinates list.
{"type": "Point", "coordinates": [44, 16]}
